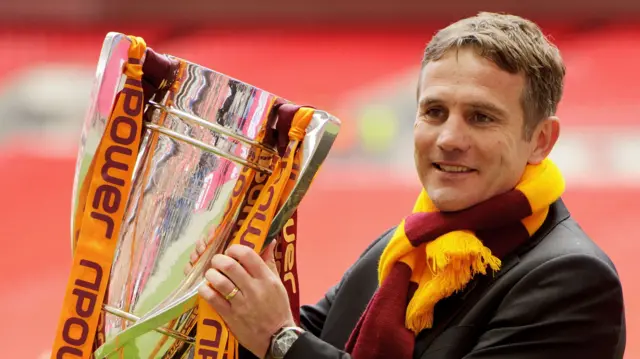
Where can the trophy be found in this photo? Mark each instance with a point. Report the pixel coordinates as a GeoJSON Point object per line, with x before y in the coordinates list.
{"type": "Point", "coordinates": [172, 154]}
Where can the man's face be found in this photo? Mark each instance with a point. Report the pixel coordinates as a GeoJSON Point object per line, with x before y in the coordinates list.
{"type": "Point", "coordinates": [468, 134]}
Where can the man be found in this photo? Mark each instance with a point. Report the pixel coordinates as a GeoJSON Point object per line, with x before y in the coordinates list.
{"type": "Point", "coordinates": [489, 264]}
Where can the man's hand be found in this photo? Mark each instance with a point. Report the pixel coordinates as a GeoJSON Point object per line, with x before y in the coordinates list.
{"type": "Point", "coordinates": [200, 248]}
{"type": "Point", "coordinates": [261, 305]}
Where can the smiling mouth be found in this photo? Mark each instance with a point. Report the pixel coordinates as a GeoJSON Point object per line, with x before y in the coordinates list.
{"type": "Point", "coordinates": [452, 168]}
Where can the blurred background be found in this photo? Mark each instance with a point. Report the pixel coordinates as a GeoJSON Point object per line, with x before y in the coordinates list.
{"type": "Point", "coordinates": [354, 58]}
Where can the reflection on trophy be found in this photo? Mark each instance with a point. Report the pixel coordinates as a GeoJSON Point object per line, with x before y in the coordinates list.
{"type": "Point", "coordinates": [173, 153]}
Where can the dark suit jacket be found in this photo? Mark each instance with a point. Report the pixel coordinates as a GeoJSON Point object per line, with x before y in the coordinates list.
{"type": "Point", "coordinates": [558, 296]}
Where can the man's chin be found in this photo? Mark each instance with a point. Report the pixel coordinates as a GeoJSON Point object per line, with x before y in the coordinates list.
{"type": "Point", "coordinates": [450, 202]}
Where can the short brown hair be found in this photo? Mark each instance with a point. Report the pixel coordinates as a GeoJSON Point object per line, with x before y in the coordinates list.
{"type": "Point", "coordinates": [515, 45]}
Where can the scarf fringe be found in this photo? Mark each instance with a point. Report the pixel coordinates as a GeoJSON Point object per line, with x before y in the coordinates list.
{"type": "Point", "coordinates": [453, 260]}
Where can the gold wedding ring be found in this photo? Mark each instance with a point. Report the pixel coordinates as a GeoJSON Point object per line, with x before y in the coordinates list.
{"type": "Point", "coordinates": [232, 294]}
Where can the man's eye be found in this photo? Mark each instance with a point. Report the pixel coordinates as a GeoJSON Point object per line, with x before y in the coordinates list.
{"type": "Point", "coordinates": [434, 112]}
{"type": "Point", "coordinates": [482, 118]}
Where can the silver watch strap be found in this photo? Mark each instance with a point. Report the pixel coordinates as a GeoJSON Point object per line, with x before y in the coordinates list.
{"type": "Point", "coordinates": [282, 341]}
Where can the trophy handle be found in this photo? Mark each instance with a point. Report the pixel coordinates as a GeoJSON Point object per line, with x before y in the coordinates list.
{"type": "Point", "coordinates": [106, 83]}
{"type": "Point", "coordinates": [321, 134]}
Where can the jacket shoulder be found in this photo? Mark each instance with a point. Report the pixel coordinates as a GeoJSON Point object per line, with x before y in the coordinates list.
{"type": "Point", "coordinates": [565, 239]}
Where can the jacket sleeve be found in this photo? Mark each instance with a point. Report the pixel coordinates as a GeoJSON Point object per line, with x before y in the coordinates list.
{"type": "Point", "coordinates": [568, 307]}
{"type": "Point", "coordinates": [308, 345]}
{"type": "Point", "coordinates": [312, 317]}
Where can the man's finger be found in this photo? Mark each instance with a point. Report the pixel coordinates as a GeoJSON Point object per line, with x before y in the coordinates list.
{"type": "Point", "coordinates": [249, 259]}
{"type": "Point", "coordinates": [200, 246]}
{"type": "Point", "coordinates": [215, 299]}
{"type": "Point", "coordinates": [222, 285]}
{"type": "Point", "coordinates": [232, 270]}
{"type": "Point", "coordinates": [193, 257]}
{"type": "Point", "coordinates": [187, 268]}
{"type": "Point", "coordinates": [269, 252]}
{"type": "Point", "coordinates": [268, 256]}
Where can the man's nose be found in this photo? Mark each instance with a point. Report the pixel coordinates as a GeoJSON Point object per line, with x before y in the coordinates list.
{"type": "Point", "coordinates": [454, 135]}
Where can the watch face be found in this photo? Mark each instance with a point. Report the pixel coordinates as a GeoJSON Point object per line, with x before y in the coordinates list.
{"type": "Point", "coordinates": [282, 343]}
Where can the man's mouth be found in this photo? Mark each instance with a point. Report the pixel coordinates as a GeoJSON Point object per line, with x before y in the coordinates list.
{"type": "Point", "coordinates": [452, 168]}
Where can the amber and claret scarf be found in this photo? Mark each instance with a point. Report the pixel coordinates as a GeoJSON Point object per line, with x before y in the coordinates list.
{"type": "Point", "coordinates": [434, 254]}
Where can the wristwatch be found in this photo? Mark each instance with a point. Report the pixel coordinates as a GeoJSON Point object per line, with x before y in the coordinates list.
{"type": "Point", "coordinates": [282, 341]}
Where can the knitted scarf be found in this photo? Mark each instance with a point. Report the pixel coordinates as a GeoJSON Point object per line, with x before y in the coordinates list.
{"type": "Point", "coordinates": [433, 254]}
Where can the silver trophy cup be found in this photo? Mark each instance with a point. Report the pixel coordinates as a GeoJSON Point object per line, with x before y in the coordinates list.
{"type": "Point", "coordinates": [191, 157]}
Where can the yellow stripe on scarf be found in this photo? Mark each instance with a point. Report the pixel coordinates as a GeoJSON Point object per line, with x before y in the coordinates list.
{"type": "Point", "coordinates": [446, 264]}
{"type": "Point", "coordinates": [542, 185]}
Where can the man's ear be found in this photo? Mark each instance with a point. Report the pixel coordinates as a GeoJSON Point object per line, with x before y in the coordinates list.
{"type": "Point", "coordinates": [543, 138]}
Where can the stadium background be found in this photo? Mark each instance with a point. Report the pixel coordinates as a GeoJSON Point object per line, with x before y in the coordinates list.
{"type": "Point", "coordinates": [357, 59]}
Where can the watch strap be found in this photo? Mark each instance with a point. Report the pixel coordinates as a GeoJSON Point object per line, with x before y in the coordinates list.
{"type": "Point", "coordinates": [275, 347]}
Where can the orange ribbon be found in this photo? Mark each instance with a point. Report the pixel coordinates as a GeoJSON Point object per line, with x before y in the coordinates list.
{"type": "Point", "coordinates": [103, 202]}
{"type": "Point", "coordinates": [213, 339]}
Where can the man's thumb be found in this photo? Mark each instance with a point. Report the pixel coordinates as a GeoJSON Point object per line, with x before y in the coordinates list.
{"type": "Point", "coordinates": [268, 256]}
